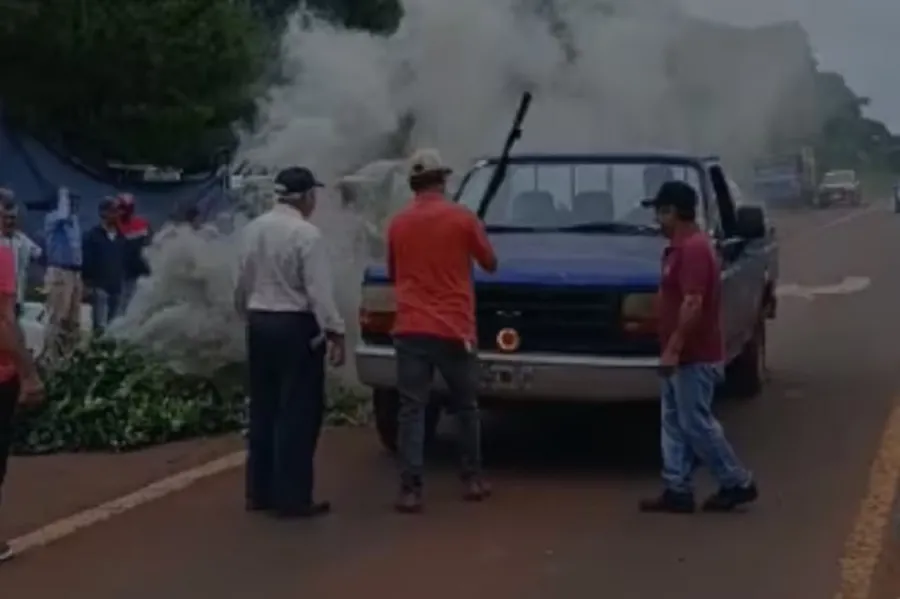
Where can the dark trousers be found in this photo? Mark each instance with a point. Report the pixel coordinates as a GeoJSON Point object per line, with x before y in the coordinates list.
{"type": "Point", "coordinates": [9, 397]}
{"type": "Point", "coordinates": [105, 306]}
{"type": "Point", "coordinates": [287, 404]}
{"type": "Point", "coordinates": [418, 356]}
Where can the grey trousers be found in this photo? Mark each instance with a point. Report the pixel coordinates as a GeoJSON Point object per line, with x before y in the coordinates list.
{"type": "Point", "coordinates": [418, 357]}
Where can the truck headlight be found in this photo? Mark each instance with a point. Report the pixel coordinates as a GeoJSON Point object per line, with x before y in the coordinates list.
{"type": "Point", "coordinates": [639, 306]}
{"type": "Point", "coordinates": [639, 314]}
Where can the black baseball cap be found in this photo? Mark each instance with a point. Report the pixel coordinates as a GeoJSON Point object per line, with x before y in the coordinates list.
{"type": "Point", "coordinates": [673, 194]}
{"type": "Point", "coordinates": [297, 179]}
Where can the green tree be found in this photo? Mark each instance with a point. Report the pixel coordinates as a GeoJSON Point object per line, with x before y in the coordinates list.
{"type": "Point", "coordinates": [848, 137]}
{"type": "Point", "coordinates": [377, 16]}
{"type": "Point", "coordinates": [159, 81]}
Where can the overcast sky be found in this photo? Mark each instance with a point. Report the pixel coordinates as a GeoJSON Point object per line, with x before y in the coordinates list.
{"type": "Point", "coordinates": [858, 38]}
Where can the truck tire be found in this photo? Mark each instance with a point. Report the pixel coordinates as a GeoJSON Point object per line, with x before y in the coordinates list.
{"type": "Point", "coordinates": [746, 374]}
{"type": "Point", "coordinates": [386, 408]}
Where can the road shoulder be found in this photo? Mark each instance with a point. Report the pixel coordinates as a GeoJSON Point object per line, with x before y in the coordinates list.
{"type": "Point", "coordinates": [43, 489]}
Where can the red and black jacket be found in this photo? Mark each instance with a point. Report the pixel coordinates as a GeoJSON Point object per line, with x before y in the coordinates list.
{"type": "Point", "coordinates": [137, 233]}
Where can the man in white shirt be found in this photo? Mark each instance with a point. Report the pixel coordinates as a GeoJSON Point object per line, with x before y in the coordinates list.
{"type": "Point", "coordinates": [284, 290]}
{"type": "Point", "coordinates": [24, 249]}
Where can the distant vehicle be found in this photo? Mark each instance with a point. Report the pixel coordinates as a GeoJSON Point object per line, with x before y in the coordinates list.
{"type": "Point", "coordinates": [786, 180]}
{"type": "Point", "coordinates": [838, 186]}
{"type": "Point", "coordinates": [571, 315]}
{"type": "Point", "coordinates": [897, 196]}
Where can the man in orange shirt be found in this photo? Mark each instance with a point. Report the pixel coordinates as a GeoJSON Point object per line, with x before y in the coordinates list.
{"type": "Point", "coordinates": [19, 381]}
{"type": "Point", "coordinates": [431, 246]}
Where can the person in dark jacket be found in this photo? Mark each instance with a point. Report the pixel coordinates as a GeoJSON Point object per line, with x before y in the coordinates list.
{"type": "Point", "coordinates": [104, 252]}
{"type": "Point", "coordinates": [137, 233]}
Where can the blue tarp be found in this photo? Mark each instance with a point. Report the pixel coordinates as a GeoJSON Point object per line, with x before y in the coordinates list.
{"type": "Point", "coordinates": [35, 173]}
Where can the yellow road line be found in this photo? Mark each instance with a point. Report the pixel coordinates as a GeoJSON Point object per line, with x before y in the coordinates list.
{"type": "Point", "coordinates": [866, 543]}
{"type": "Point", "coordinates": [71, 524]}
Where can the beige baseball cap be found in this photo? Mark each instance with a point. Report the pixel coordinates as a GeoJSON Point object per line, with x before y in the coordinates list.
{"type": "Point", "coordinates": [427, 160]}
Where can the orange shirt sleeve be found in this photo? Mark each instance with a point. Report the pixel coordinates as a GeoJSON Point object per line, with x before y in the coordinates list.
{"type": "Point", "coordinates": [389, 243]}
{"type": "Point", "coordinates": [7, 272]}
{"type": "Point", "coordinates": [479, 245]}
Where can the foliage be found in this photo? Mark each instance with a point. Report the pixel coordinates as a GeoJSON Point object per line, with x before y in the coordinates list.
{"type": "Point", "coordinates": [377, 16]}
{"type": "Point", "coordinates": [158, 81]}
{"type": "Point", "coordinates": [112, 396]}
{"type": "Point", "coordinates": [847, 137]}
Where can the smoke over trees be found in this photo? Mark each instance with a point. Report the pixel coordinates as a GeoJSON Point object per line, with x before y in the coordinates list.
{"type": "Point", "coordinates": [165, 81]}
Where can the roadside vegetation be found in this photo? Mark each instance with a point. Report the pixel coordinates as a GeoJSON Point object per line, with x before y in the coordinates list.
{"type": "Point", "coordinates": [112, 396]}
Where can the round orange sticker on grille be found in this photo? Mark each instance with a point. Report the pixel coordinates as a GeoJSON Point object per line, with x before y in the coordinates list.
{"type": "Point", "coordinates": [508, 340]}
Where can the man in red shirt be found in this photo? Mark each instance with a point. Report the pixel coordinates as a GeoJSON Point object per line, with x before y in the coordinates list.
{"type": "Point", "coordinates": [431, 246]}
{"type": "Point", "coordinates": [693, 353]}
{"type": "Point", "coordinates": [137, 233]}
{"type": "Point", "coordinates": [19, 381]}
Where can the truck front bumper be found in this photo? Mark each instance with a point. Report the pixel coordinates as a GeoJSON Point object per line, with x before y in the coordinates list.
{"type": "Point", "coordinates": [536, 377]}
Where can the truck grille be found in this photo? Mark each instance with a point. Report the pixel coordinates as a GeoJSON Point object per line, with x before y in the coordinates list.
{"type": "Point", "coordinates": [557, 319]}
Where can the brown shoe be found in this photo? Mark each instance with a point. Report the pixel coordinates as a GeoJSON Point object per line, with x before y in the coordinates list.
{"type": "Point", "coordinates": [409, 502]}
{"type": "Point", "coordinates": [476, 489]}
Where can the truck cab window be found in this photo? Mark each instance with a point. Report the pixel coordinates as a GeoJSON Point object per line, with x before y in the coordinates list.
{"type": "Point", "coordinates": [723, 204]}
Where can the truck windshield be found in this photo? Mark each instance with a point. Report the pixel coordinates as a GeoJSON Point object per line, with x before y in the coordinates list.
{"type": "Point", "coordinates": [579, 197]}
{"type": "Point", "coordinates": [838, 178]}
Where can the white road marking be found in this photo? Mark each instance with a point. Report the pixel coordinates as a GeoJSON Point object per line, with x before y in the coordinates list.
{"type": "Point", "coordinates": [847, 286]}
{"type": "Point", "coordinates": [71, 524]}
{"type": "Point", "coordinates": [841, 220]}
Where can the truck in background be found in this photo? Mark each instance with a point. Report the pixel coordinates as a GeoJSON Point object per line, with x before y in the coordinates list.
{"type": "Point", "coordinates": [786, 179]}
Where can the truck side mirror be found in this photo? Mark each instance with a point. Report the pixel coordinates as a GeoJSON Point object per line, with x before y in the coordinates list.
{"type": "Point", "coordinates": [751, 222]}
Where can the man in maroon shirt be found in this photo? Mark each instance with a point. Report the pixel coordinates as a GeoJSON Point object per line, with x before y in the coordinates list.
{"type": "Point", "coordinates": [693, 353]}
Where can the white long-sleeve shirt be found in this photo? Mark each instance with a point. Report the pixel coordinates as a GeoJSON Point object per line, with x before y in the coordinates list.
{"type": "Point", "coordinates": [284, 267]}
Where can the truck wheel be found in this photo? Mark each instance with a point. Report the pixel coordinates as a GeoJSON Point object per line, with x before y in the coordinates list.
{"type": "Point", "coordinates": [386, 408]}
{"type": "Point", "coordinates": [746, 374]}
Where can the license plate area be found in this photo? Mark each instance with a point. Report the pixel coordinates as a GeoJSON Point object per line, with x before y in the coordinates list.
{"type": "Point", "coordinates": [506, 377]}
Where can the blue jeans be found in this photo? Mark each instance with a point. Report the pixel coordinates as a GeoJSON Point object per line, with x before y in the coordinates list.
{"type": "Point", "coordinates": [691, 432]}
{"type": "Point", "coordinates": [104, 307]}
{"type": "Point", "coordinates": [128, 288]}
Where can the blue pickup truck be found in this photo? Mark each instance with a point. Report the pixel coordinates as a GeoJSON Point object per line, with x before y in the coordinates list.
{"type": "Point", "coordinates": [570, 314]}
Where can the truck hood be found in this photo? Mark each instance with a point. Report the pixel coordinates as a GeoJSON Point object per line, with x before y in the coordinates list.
{"type": "Point", "coordinates": [573, 259]}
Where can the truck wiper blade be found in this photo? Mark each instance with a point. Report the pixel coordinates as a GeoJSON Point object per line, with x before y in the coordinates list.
{"type": "Point", "coordinates": [611, 227]}
{"type": "Point", "coordinates": [514, 229]}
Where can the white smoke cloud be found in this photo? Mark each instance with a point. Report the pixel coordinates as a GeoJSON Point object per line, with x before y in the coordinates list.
{"type": "Point", "coordinates": [459, 68]}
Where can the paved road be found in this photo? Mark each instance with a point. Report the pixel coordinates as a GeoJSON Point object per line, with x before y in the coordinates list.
{"type": "Point", "coordinates": [563, 523]}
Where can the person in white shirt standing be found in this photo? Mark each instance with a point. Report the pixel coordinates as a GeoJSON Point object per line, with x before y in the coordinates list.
{"type": "Point", "coordinates": [284, 290]}
{"type": "Point", "coordinates": [24, 249]}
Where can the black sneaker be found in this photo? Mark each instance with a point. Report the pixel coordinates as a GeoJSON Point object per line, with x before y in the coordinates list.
{"type": "Point", "coordinates": [727, 499]}
{"type": "Point", "coordinates": [314, 510]}
{"type": "Point", "coordinates": [257, 506]}
{"type": "Point", "coordinates": [6, 552]}
{"type": "Point", "coordinates": [669, 502]}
